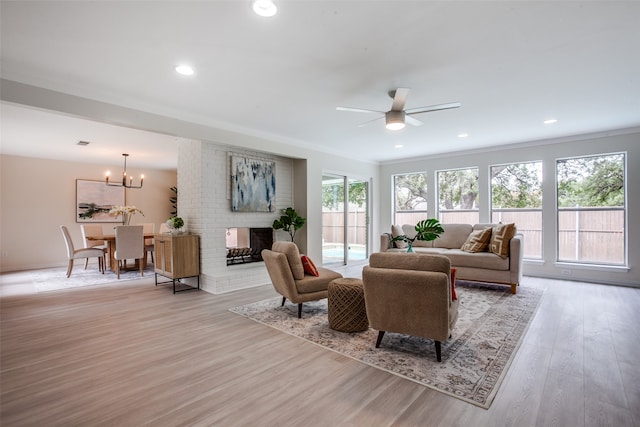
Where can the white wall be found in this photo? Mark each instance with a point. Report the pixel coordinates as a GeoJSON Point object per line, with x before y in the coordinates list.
{"type": "Point", "coordinates": [39, 195]}
{"type": "Point", "coordinates": [205, 205]}
{"type": "Point", "coordinates": [547, 152]}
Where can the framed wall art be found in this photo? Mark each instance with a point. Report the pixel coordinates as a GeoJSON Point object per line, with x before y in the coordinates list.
{"type": "Point", "coordinates": [253, 185]}
{"type": "Point", "coordinates": [94, 200]}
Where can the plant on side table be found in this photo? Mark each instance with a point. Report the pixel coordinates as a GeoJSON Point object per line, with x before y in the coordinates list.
{"type": "Point", "coordinates": [427, 230]}
{"type": "Point", "coordinates": [175, 224]}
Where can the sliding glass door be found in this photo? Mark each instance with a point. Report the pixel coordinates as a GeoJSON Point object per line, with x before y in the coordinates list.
{"type": "Point", "coordinates": [345, 226]}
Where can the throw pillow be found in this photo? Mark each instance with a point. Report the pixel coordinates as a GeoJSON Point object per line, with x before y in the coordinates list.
{"type": "Point", "coordinates": [477, 241]}
{"type": "Point", "coordinates": [309, 266]}
{"type": "Point", "coordinates": [396, 231]}
{"type": "Point", "coordinates": [454, 296]}
{"type": "Point", "coordinates": [501, 234]}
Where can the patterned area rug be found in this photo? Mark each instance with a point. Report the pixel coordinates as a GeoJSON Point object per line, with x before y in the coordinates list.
{"type": "Point", "coordinates": [55, 279]}
{"type": "Point", "coordinates": [490, 328]}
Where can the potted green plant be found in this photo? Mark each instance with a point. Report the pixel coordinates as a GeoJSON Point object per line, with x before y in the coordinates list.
{"type": "Point", "coordinates": [175, 224]}
{"type": "Point", "coordinates": [289, 222]}
{"type": "Point", "coordinates": [427, 230]}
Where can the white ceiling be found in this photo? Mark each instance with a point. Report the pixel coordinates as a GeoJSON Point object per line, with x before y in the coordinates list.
{"type": "Point", "coordinates": [512, 64]}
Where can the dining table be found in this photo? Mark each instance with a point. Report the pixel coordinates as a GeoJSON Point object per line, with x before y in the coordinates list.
{"type": "Point", "coordinates": [111, 248]}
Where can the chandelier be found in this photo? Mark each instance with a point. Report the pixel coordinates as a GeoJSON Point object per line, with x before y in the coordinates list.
{"type": "Point", "coordinates": [124, 182]}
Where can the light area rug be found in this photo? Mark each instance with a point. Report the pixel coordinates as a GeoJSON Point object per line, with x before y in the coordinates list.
{"type": "Point", "coordinates": [490, 328]}
{"type": "Point", "coordinates": [55, 279]}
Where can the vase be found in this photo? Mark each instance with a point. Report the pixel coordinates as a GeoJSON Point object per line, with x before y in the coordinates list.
{"type": "Point", "coordinates": [126, 218]}
{"type": "Point", "coordinates": [410, 248]}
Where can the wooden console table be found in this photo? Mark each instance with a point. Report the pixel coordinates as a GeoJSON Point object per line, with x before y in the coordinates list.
{"type": "Point", "coordinates": [177, 256]}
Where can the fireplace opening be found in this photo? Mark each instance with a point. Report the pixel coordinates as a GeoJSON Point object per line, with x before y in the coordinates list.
{"type": "Point", "coordinates": [245, 244]}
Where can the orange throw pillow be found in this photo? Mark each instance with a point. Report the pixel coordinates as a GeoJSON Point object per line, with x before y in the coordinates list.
{"type": "Point", "coordinates": [454, 296]}
{"type": "Point", "coordinates": [309, 266]}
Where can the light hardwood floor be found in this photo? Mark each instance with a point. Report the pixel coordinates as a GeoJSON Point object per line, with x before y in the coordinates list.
{"type": "Point", "coordinates": [135, 355]}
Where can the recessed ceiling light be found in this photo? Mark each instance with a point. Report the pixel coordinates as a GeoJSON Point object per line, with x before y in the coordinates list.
{"type": "Point", "coordinates": [463, 135]}
{"type": "Point", "coordinates": [185, 70]}
{"type": "Point", "coordinates": [550, 121]}
{"type": "Point", "coordinates": [264, 8]}
{"type": "Point", "coordinates": [398, 146]}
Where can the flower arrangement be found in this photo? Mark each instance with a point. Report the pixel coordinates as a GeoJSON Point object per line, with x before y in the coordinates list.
{"type": "Point", "coordinates": [126, 211]}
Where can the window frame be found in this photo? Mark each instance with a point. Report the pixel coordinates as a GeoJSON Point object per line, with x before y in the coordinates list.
{"type": "Point", "coordinates": [625, 220]}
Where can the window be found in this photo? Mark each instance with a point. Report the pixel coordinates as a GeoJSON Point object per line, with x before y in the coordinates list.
{"type": "Point", "coordinates": [516, 196]}
{"type": "Point", "coordinates": [591, 209]}
{"type": "Point", "coordinates": [458, 196]}
{"type": "Point", "coordinates": [410, 194]}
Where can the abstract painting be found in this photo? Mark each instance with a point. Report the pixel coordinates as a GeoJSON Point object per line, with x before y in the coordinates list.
{"type": "Point", "coordinates": [94, 200]}
{"type": "Point", "coordinates": [253, 185]}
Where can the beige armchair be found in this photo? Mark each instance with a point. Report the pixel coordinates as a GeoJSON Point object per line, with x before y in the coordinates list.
{"type": "Point", "coordinates": [410, 294]}
{"type": "Point", "coordinates": [285, 269]}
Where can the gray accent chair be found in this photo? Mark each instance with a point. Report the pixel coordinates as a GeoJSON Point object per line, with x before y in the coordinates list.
{"type": "Point", "coordinates": [285, 269]}
{"type": "Point", "coordinates": [410, 294]}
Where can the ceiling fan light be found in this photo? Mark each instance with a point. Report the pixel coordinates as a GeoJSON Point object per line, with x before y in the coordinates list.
{"type": "Point", "coordinates": [395, 126]}
{"type": "Point", "coordinates": [394, 120]}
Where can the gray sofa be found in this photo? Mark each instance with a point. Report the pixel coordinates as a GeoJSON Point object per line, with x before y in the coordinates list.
{"type": "Point", "coordinates": [478, 266]}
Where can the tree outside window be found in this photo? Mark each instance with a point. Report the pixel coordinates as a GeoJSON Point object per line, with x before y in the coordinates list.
{"type": "Point", "coordinates": [516, 196]}
{"type": "Point", "coordinates": [458, 196]}
{"type": "Point", "coordinates": [591, 209]}
{"type": "Point", "coordinates": [410, 198]}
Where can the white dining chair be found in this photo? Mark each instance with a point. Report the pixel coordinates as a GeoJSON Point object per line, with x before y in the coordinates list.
{"type": "Point", "coordinates": [73, 253]}
{"type": "Point", "coordinates": [92, 230]}
{"type": "Point", "coordinates": [129, 245]}
{"type": "Point", "coordinates": [149, 247]}
{"type": "Point", "coordinates": [164, 228]}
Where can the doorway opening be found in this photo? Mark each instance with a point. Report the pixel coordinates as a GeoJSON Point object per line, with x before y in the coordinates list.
{"type": "Point", "coordinates": [345, 225]}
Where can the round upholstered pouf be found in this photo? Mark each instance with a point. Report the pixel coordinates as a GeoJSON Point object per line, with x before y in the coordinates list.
{"type": "Point", "coordinates": [347, 312]}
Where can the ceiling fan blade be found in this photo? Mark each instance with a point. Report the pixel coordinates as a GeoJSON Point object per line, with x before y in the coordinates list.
{"type": "Point", "coordinates": [358, 110]}
{"type": "Point", "coordinates": [433, 108]}
{"type": "Point", "coordinates": [370, 121]}
{"type": "Point", "coordinates": [412, 121]}
{"type": "Point", "coordinates": [399, 98]}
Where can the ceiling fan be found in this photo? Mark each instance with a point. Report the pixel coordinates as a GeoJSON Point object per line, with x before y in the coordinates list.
{"type": "Point", "coordinates": [396, 117]}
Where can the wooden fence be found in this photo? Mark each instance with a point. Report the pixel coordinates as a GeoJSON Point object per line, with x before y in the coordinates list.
{"type": "Point", "coordinates": [584, 234]}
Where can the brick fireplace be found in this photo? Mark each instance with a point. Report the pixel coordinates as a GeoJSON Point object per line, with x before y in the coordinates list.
{"type": "Point", "coordinates": [245, 244]}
